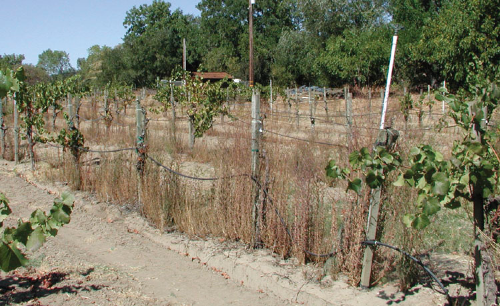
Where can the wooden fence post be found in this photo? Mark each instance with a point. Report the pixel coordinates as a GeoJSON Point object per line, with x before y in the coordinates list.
{"type": "Point", "coordinates": [70, 110]}
{"type": "Point", "coordinates": [2, 129]}
{"type": "Point", "coordinates": [369, 102]}
{"type": "Point", "coordinates": [429, 100]}
{"type": "Point", "coordinates": [444, 86]}
{"type": "Point", "coordinates": [172, 105]}
{"type": "Point", "coordinates": [191, 130]}
{"type": "Point", "coordinates": [288, 99]}
{"type": "Point", "coordinates": [16, 131]}
{"type": "Point", "coordinates": [484, 269]}
{"type": "Point", "coordinates": [326, 104]}
{"type": "Point", "coordinates": [386, 138]}
{"type": "Point", "coordinates": [78, 105]}
{"type": "Point", "coordinates": [348, 114]}
{"type": "Point", "coordinates": [141, 147]}
{"type": "Point", "coordinates": [191, 133]}
{"type": "Point", "coordinates": [29, 130]}
{"type": "Point", "coordinates": [297, 111]}
{"type": "Point", "coordinates": [271, 95]}
{"type": "Point", "coordinates": [311, 111]}
{"type": "Point", "coordinates": [256, 126]}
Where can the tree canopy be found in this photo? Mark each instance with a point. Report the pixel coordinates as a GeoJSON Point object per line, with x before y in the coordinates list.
{"type": "Point", "coordinates": [318, 42]}
{"type": "Point", "coordinates": [55, 62]}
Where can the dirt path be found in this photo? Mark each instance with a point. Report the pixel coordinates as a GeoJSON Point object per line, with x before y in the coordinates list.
{"type": "Point", "coordinates": [98, 259]}
{"type": "Point", "coordinates": [108, 256]}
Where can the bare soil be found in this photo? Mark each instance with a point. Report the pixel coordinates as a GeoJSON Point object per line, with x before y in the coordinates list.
{"type": "Point", "coordinates": [109, 255]}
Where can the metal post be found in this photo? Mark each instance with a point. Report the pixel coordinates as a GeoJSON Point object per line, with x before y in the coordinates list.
{"type": "Point", "coordinates": [256, 126]}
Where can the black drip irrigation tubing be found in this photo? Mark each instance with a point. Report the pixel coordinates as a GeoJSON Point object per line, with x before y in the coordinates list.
{"type": "Point", "coordinates": [106, 151]}
{"type": "Point", "coordinates": [93, 151]}
{"type": "Point", "coordinates": [193, 177]}
{"type": "Point", "coordinates": [418, 261]}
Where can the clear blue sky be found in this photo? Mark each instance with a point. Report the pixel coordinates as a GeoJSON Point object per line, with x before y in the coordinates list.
{"type": "Point", "coordinates": [30, 27]}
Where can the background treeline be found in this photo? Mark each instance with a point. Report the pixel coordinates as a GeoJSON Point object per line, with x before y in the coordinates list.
{"type": "Point", "coordinates": [320, 42]}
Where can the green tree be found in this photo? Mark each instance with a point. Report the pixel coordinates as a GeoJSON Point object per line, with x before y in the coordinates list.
{"type": "Point", "coordinates": [225, 32]}
{"type": "Point", "coordinates": [154, 38]}
{"type": "Point", "coordinates": [35, 74]}
{"type": "Point", "coordinates": [55, 62]}
{"type": "Point", "coordinates": [294, 58]}
{"type": "Point", "coordinates": [464, 41]}
{"type": "Point", "coordinates": [412, 16]}
{"type": "Point", "coordinates": [91, 67]}
{"type": "Point", "coordinates": [357, 57]}
{"type": "Point", "coordinates": [222, 25]}
{"type": "Point", "coordinates": [11, 61]}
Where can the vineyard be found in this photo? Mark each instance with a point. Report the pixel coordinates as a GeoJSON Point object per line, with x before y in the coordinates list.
{"type": "Point", "coordinates": [186, 158]}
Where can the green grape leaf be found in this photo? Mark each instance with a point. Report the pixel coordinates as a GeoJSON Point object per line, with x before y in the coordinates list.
{"type": "Point", "coordinates": [5, 210]}
{"type": "Point", "coordinates": [440, 183]}
{"type": "Point", "coordinates": [22, 232]}
{"type": "Point", "coordinates": [453, 204]}
{"type": "Point", "coordinates": [475, 147]}
{"type": "Point", "coordinates": [431, 206]}
{"type": "Point", "coordinates": [67, 198]}
{"type": "Point", "coordinates": [38, 218]}
{"type": "Point", "coordinates": [354, 185]}
{"type": "Point", "coordinates": [11, 257]}
{"type": "Point", "coordinates": [332, 170]}
{"type": "Point", "coordinates": [373, 179]}
{"type": "Point", "coordinates": [60, 213]}
{"type": "Point", "coordinates": [400, 181]}
{"type": "Point", "coordinates": [386, 157]}
{"type": "Point", "coordinates": [36, 239]}
{"type": "Point", "coordinates": [408, 220]}
{"type": "Point", "coordinates": [420, 222]}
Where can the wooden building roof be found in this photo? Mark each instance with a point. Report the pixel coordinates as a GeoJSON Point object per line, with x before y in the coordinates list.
{"type": "Point", "coordinates": [213, 75]}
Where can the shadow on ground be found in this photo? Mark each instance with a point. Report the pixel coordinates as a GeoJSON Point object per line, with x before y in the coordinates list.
{"type": "Point", "coordinates": [17, 287]}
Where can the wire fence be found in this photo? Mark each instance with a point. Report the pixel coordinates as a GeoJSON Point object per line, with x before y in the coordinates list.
{"type": "Point", "coordinates": [258, 184]}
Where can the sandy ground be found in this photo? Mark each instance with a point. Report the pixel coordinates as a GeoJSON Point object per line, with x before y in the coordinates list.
{"type": "Point", "coordinates": [110, 256]}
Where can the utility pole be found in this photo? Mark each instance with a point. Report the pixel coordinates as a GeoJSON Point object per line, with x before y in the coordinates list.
{"type": "Point", "coordinates": [250, 32]}
{"type": "Point", "coordinates": [184, 55]}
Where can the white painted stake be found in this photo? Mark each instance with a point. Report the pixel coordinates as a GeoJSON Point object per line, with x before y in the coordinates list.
{"type": "Point", "coordinates": [388, 85]}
